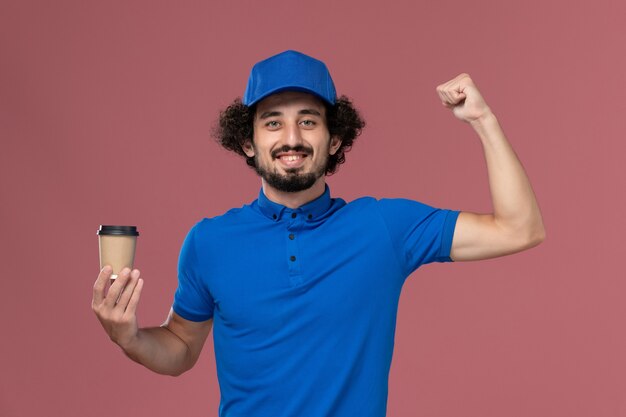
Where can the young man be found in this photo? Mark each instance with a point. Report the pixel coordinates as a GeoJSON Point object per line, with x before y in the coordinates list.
{"type": "Point", "coordinates": [302, 289]}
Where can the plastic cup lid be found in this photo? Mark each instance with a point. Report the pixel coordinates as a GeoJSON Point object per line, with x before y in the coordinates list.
{"type": "Point", "coordinates": [118, 230]}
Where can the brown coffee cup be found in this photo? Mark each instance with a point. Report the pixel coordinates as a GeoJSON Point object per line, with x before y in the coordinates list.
{"type": "Point", "coordinates": [117, 247]}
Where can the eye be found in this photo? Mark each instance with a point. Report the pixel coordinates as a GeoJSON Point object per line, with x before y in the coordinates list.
{"type": "Point", "coordinates": [308, 123]}
{"type": "Point", "coordinates": [272, 124]}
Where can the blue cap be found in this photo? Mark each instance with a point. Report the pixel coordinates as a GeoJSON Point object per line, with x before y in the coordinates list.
{"type": "Point", "coordinates": [289, 70]}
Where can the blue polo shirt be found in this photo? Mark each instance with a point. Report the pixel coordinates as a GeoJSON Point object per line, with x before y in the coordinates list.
{"type": "Point", "coordinates": [304, 301]}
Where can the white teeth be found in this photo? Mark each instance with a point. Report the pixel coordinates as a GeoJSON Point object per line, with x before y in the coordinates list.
{"type": "Point", "coordinates": [291, 157]}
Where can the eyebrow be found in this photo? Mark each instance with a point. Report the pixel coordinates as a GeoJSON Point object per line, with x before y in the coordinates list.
{"type": "Point", "coordinates": [268, 114]}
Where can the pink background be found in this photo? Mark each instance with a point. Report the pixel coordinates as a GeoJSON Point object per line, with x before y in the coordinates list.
{"type": "Point", "coordinates": [105, 112]}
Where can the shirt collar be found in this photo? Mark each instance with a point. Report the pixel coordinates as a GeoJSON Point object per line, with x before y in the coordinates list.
{"type": "Point", "coordinates": [311, 210]}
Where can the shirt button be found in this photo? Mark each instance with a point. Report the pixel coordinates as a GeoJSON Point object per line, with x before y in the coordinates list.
{"type": "Point", "coordinates": [293, 215]}
{"type": "Point", "coordinates": [293, 258]}
{"type": "Point", "coordinates": [292, 236]}
{"type": "Point", "coordinates": [274, 216]}
{"type": "Point", "coordinates": [310, 216]}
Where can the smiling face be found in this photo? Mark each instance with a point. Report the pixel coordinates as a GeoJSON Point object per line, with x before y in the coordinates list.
{"type": "Point", "coordinates": [291, 141]}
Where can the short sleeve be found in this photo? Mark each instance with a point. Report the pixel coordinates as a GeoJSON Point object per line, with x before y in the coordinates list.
{"type": "Point", "coordinates": [192, 300]}
{"type": "Point", "coordinates": [421, 234]}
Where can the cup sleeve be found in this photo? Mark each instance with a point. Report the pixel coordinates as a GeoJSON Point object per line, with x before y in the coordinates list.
{"type": "Point", "coordinates": [192, 300]}
{"type": "Point", "coordinates": [420, 233]}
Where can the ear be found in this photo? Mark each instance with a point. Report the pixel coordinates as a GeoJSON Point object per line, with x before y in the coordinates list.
{"type": "Point", "coordinates": [247, 148]}
{"type": "Point", "coordinates": [335, 143]}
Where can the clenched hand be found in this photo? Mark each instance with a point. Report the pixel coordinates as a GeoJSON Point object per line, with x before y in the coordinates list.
{"type": "Point", "coordinates": [462, 96]}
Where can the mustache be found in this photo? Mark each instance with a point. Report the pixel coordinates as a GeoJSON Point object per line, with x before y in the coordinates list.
{"type": "Point", "coordinates": [298, 148]}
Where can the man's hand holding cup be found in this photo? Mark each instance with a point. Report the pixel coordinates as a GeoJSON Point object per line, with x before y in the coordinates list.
{"type": "Point", "coordinates": [116, 308]}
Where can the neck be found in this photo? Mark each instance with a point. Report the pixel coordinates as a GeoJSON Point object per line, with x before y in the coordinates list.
{"type": "Point", "coordinates": [296, 199]}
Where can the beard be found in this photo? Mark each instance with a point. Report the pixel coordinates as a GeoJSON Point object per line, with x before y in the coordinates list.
{"type": "Point", "coordinates": [292, 181]}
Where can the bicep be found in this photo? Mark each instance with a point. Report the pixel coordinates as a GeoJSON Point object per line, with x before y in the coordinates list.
{"type": "Point", "coordinates": [479, 236]}
{"type": "Point", "coordinates": [192, 333]}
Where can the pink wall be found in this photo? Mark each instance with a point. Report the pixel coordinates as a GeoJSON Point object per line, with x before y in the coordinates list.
{"type": "Point", "coordinates": [105, 109]}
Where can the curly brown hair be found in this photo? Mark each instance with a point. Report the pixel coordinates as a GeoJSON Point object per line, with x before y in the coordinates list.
{"type": "Point", "coordinates": [236, 124]}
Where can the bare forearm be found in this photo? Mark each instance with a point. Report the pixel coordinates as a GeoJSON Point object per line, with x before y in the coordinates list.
{"type": "Point", "coordinates": [160, 350]}
{"type": "Point", "coordinates": [170, 349]}
{"type": "Point", "coordinates": [514, 203]}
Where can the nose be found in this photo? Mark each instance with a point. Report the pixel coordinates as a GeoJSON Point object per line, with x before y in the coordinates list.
{"type": "Point", "coordinates": [293, 135]}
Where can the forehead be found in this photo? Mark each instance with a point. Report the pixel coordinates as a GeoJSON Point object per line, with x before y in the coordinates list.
{"type": "Point", "coordinates": [287, 99]}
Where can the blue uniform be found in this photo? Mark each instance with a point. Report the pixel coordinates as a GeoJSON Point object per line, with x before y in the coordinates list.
{"type": "Point", "coordinates": [304, 301]}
